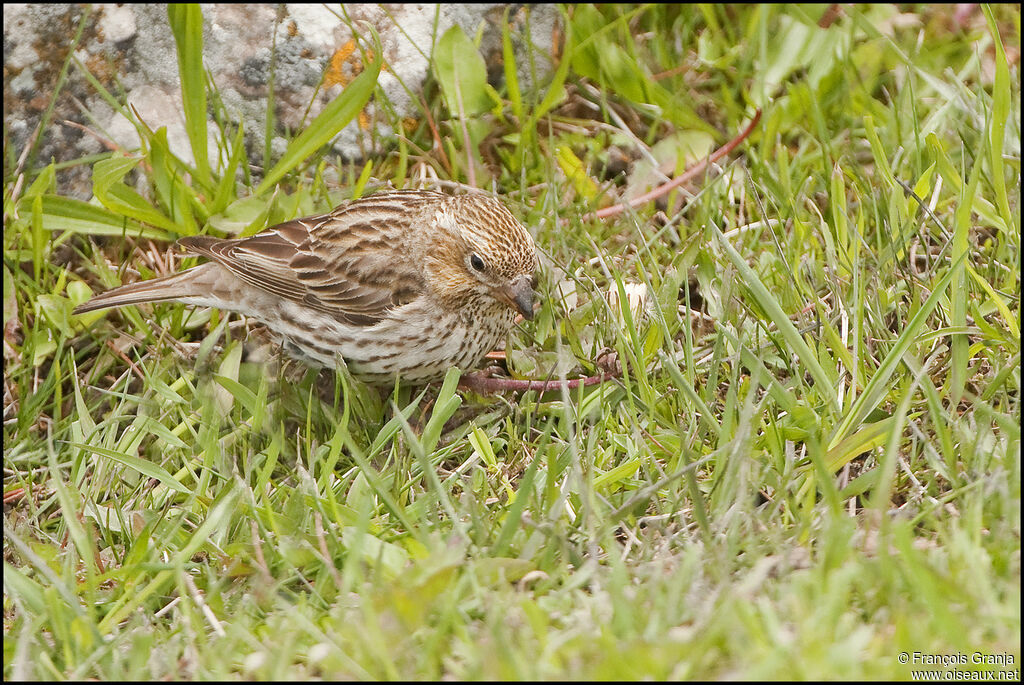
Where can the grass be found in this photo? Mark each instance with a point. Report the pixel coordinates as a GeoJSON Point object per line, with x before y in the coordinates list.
{"type": "Point", "coordinates": [809, 465]}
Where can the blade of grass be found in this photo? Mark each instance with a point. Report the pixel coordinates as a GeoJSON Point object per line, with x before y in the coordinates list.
{"type": "Point", "coordinates": [146, 468]}
{"type": "Point", "coordinates": [68, 214]}
{"type": "Point", "coordinates": [119, 198]}
{"type": "Point", "coordinates": [187, 24]}
{"type": "Point", "coordinates": [878, 386]}
{"type": "Point", "coordinates": [130, 601]}
{"type": "Point", "coordinates": [509, 64]}
{"type": "Point", "coordinates": [997, 126]}
{"type": "Point", "coordinates": [960, 293]}
{"type": "Point", "coordinates": [771, 306]}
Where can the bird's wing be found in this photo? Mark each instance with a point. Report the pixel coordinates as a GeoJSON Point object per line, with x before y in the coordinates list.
{"type": "Point", "coordinates": [352, 263]}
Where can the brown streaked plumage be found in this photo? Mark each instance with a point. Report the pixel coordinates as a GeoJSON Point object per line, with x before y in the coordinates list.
{"type": "Point", "coordinates": [401, 283]}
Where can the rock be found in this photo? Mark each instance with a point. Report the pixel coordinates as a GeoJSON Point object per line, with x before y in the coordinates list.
{"type": "Point", "coordinates": [130, 50]}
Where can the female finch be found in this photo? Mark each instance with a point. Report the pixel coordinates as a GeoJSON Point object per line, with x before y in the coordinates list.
{"type": "Point", "coordinates": [401, 283]}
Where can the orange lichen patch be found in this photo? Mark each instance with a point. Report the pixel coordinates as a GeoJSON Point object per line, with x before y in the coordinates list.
{"type": "Point", "coordinates": [337, 74]}
{"type": "Point", "coordinates": [336, 69]}
{"type": "Point", "coordinates": [364, 121]}
{"type": "Point", "coordinates": [345, 51]}
{"type": "Point", "coordinates": [370, 57]}
{"type": "Point", "coordinates": [104, 68]}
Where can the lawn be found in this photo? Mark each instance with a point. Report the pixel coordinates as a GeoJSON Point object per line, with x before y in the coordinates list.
{"type": "Point", "coordinates": [805, 464]}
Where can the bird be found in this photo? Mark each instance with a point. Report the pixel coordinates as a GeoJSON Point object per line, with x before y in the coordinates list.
{"type": "Point", "coordinates": [398, 284]}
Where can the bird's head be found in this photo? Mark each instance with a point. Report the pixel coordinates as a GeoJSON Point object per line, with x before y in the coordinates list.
{"type": "Point", "coordinates": [481, 252]}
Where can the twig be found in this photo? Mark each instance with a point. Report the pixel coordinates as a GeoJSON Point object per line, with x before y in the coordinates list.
{"type": "Point", "coordinates": [126, 360]}
{"type": "Point", "coordinates": [437, 136]}
{"type": "Point", "coordinates": [678, 180]}
{"type": "Point", "coordinates": [105, 142]}
{"type": "Point", "coordinates": [12, 496]}
{"type": "Point", "coordinates": [831, 14]}
{"type": "Point", "coordinates": [18, 173]}
{"type": "Point", "coordinates": [670, 72]}
{"type": "Point", "coordinates": [489, 384]}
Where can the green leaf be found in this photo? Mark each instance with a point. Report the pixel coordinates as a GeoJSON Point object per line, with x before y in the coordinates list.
{"type": "Point", "coordinates": [245, 216]}
{"type": "Point", "coordinates": [45, 182]}
{"type": "Point", "coordinates": [364, 177]}
{"type": "Point", "coordinates": [118, 197]}
{"type": "Point", "coordinates": [167, 171]}
{"type": "Point", "coordinates": [56, 310]}
{"type": "Point", "coordinates": [574, 170]}
{"type": "Point", "coordinates": [10, 298]}
{"type": "Point", "coordinates": [378, 554]}
{"type": "Point", "coordinates": [556, 91]}
{"type": "Point", "coordinates": [226, 188]}
{"type": "Point", "coordinates": [461, 73]}
{"type": "Point", "coordinates": [867, 438]}
{"type": "Point", "coordinates": [243, 394]}
{"type": "Point", "coordinates": [497, 570]}
{"type": "Point", "coordinates": [38, 243]}
{"type": "Point", "coordinates": [960, 294]}
{"type": "Point", "coordinates": [24, 588]}
{"type": "Point", "coordinates": [445, 406]}
{"type": "Point", "coordinates": [614, 476]}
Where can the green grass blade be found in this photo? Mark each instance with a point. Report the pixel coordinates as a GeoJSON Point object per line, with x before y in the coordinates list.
{"type": "Point", "coordinates": [792, 337]}
{"type": "Point", "coordinates": [118, 197]}
{"type": "Point", "coordinates": [146, 468]}
{"type": "Point", "coordinates": [556, 91]}
{"type": "Point", "coordinates": [335, 116]}
{"type": "Point", "coordinates": [509, 63]}
{"type": "Point", "coordinates": [997, 129]}
{"type": "Point", "coordinates": [187, 24]}
{"type": "Point", "coordinates": [878, 386]}
{"type": "Point", "coordinates": [68, 214]}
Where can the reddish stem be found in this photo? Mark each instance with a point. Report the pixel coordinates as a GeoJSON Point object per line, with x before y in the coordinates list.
{"type": "Point", "coordinates": [678, 180]}
{"type": "Point", "coordinates": [490, 384]}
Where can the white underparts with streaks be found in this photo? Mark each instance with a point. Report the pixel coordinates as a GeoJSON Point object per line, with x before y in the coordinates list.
{"type": "Point", "coordinates": [412, 341]}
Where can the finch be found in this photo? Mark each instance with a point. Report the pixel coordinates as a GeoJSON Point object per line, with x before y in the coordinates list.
{"type": "Point", "coordinates": [403, 283]}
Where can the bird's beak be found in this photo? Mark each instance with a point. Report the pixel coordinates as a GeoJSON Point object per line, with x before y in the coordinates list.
{"type": "Point", "coordinates": [519, 296]}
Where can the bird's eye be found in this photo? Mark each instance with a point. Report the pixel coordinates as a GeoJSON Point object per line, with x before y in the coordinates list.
{"type": "Point", "coordinates": [476, 262]}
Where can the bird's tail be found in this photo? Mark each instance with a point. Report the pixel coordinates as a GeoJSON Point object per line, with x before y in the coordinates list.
{"type": "Point", "coordinates": [189, 283]}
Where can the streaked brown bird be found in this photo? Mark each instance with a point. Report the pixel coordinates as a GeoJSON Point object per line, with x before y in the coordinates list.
{"type": "Point", "coordinates": [401, 283]}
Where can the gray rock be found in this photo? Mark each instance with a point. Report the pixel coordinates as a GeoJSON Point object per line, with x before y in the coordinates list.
{"type": "Point", "coordinates": [131, 51]}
